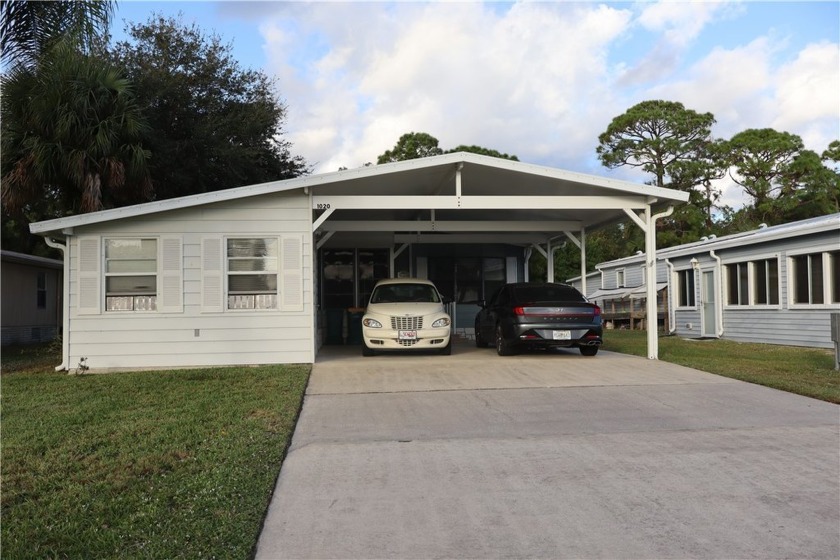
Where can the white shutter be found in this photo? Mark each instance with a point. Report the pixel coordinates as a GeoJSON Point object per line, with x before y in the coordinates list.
{"type": "Point", "coordinates": [171, 291]}
{"type": "Point", "coordinates": [212, 275]}
{"type": "Point", "coordinates": [89, 277]}
{"type": "Point", "coordinates": [291, 273]}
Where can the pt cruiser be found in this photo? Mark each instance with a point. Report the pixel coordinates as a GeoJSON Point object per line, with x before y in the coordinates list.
{"type": "Point", "coordinates": [405, 314]}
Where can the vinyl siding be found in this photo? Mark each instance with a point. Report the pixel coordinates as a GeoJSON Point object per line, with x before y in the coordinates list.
{"type": "Point", "coordinates": [194, 336]}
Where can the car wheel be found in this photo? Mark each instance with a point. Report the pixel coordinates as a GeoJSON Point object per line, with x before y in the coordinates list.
{"type": "Point", "coordinates": [588, 350]}
{"type": "Point", "coordinates": [367, 351]}
{"type": "Point", "coordinates": [479, 340]}
{"type": "Point", "coordinates": [502, 347]}
{"type": "Point", "coordinates": [446, 350]}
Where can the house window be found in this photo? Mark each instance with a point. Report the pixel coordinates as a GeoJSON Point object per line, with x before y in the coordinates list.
{"type": "Point", "coordinates": [766, 282]}
{"type": "Point", "coordinates": [834, 260]}
{"type": "Point", "coordinates": [252, 273]}
{"type": "Point", "coordinates": [685, 288]}
{"type": "Point", "coordinates": [131, 274]}
{"type": "Point", "coordinates": [41, 291]}
{"type": "Point", "coordinates": [809, 278]}
{"type": "Point", "coordinates": [737, 284]}
{"type": "Point", "coordinates": [619, 278]}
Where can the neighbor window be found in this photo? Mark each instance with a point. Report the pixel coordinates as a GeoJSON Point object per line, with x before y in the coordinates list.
{"type": "Point", "coordinates": [252, 273]}
{"type": "Point", "coordinates": [834, 268]}
{"type": "Point", "coordinates": [737, 284]}
{"type": "Point", "coordinates": [619, 278]}
{"type": "Point", "coordinates": [809, 278]}
{"type": "Point", "coordinates": [41, 291]}
{"type": "Point", "coordinates": [685, 288]}
{"type": "Point", "coordinates": [131, 274]}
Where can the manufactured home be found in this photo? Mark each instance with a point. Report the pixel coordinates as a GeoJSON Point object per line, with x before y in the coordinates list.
{"type": "Point", "coordinates": [31, 300]}
{"type": "Point", "coordinates": [776, 285]}
{"type": "Point", "coordinates": [269, 273]}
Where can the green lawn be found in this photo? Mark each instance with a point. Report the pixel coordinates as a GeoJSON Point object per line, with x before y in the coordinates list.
{"type": "Point", "coordinates": [175, 464]}
{"type": "Point", "coordinates": [806, 371]}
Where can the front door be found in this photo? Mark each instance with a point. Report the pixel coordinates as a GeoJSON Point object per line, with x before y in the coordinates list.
{"type": "Point", "coordinates": [709, 304]}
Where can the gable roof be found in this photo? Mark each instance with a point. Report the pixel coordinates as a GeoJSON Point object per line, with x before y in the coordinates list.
{"type": "Point", "coordinates": [479, 176]}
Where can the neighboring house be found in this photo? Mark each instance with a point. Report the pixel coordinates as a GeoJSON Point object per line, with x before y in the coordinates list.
{"type": "Point", "coordinates": [31, 298]}
{"type": "Point", "coordinates": [777, 284]}
{"type": "Point", "coordinates": [268, 273]}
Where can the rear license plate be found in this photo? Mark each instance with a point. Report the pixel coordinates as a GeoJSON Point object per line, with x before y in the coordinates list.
{"type": "Point", "coordinates": [407, 335]}
{"type": "Point", "coordinates": [562, 335]}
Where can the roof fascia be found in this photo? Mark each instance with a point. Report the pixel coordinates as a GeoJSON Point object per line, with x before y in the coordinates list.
{"type": "Point", "coordinates": [50, 226]}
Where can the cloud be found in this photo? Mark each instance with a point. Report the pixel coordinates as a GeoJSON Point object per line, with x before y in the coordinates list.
{"type": "Point", "coordinates": [528, 80]}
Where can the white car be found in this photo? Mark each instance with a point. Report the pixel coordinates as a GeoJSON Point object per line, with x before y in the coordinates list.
{"type": "Point", "coordinates": [405, 314]}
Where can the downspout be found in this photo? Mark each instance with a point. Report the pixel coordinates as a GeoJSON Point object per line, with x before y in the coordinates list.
{"type": "Point", "coordinates": [65, 305]}
{"type": "Point", "coordinates": [718, 299]}
{"type": "Point", "coordinates": [672, 314]}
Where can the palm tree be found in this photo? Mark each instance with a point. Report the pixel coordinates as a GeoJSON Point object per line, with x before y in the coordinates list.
{"type": "Point", "coordinates": [72, 133]}
{"type": "Point", "coordinates": [72, 136]}
{"type": "Point", "coordinates": [29, 29]}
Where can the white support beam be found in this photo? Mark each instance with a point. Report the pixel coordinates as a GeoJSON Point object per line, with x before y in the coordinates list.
{"type": "Point", "coordinates": [476, 238]}
{"type": "Point", "coordinates": [324, 239]}
{"type": "Point", "coordinates": [447, 225]}
{"type": "Point", "coordinates": [539, 249]}
{"type": "Point", "coordinates": [639, 222]}
{"type": "Point", "coordinates": [583, 261]}
{"type": "Point", "coordinates": [322, 218]}
{"type": "Point", "coordinates": [573, 239]}
{"type": "Point", "coordinates": [349, 202]}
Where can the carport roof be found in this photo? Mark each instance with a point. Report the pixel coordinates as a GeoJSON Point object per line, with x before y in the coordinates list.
{"type": "Point", "coordinates": [460, 192]}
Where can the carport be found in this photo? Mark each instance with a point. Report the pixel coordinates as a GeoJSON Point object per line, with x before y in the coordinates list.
{"type": "Point", "coordinates": [471, 199]}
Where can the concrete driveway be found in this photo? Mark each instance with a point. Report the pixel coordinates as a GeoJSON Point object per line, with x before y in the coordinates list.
{"type": "Point", "coordinates": [552, 456]}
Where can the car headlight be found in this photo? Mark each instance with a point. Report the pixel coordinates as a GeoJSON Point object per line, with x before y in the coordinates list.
{"type": "Point", "coordinates": [372, 323]}
{"type": "Point", "coordinates": [442, 322]}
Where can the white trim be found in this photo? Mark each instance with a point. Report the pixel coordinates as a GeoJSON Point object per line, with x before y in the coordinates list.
{"type": "Point", "coordinates": [633, 191]}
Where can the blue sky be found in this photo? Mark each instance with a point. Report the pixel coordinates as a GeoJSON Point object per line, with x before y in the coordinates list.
{"type": "Point", "coordinates": [539, 80]}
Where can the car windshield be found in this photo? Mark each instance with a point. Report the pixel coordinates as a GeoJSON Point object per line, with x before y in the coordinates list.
{"type": "Point", "coordinates": [403, 293]}
{"type": "Point", "coordinates": [533, 294]}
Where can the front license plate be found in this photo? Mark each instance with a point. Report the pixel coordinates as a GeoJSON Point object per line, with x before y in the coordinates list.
{"type": "Point", "coordinates": [562, 335]}
{"type": "Point", "coordinates": [407, 335]}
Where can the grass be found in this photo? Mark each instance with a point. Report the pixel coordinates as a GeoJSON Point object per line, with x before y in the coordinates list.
{"type": "Point", "coordinates": [805, 371]}
{"type": "Point", "coordinates": [174, 464]}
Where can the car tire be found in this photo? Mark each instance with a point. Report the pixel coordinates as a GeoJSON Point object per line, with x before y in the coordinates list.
{"type": "Point", "coordinates": [479, 340]}
{"type": "Point", "coordinates": [367, 351]}
{"type": "Point", "coordinates": [588, 350]}
{"type": "Point", "coordinates": [446, 350]}
{"type": "Point", "coordinates": [502, 347]}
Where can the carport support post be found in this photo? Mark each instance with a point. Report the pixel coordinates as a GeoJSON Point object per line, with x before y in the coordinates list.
{"type": "Point", "coordinates": [650, 281]}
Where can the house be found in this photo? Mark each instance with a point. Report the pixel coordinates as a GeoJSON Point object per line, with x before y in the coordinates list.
{"type": "Point", "coordinates": [776, 285]}
{"type": "Point", "coordinates": [269, 273]}
{"type": "Point", "coordinates": [31, 298]}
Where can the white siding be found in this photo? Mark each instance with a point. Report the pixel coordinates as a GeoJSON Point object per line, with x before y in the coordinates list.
{"type": "Point", "coordinates": [198, 330]}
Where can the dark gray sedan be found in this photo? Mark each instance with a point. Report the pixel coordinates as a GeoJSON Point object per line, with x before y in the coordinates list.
{"type": "Point", "coordinates": [529, 315]}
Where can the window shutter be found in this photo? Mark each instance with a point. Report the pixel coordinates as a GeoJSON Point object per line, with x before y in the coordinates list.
{"type": "Point", "coordinates": [292, 273]}
{"type": "Point", "coordinates": [212, 276]}
{"type": "Point", "coordinates": [89, 276]}
{"type": "Point", "coordinates": [171, 275]}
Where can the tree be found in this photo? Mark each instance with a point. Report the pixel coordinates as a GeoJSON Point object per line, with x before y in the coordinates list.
{"type": "Point", "coordinates": [760, 160]}
{"type": "Point", "coordinates": [473, 149]}
{"type": "Point", "coordinates": [214, 125]}
{"type": "Point", "coordinates": [412, 145]}
{"type": "Point", "coordinates": [656, 136]}
{"type": "Point", "coordinates": [71, 137]}
{"type": "Point", "coordinates": [71, 134]}
{"type": "Point", "coordinates": [29, 29]}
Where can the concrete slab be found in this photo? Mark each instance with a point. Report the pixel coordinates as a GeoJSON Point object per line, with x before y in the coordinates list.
{"type": "Point", "coordinates": [553, 456]}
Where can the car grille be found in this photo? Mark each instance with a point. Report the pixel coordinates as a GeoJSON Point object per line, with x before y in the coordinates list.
{"type": "Point", "coordinates": [406, 323]}
{"type": "Point", "coordinates": [407, 342]}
